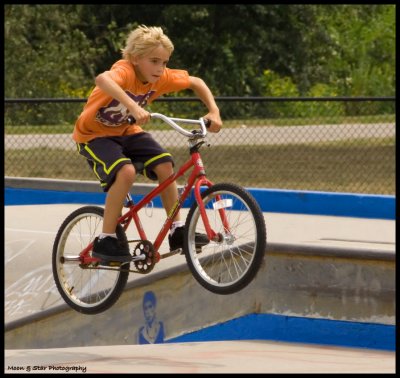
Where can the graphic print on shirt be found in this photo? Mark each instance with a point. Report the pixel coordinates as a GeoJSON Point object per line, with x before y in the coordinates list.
{"type": "Point", "coordinates": [116, 114]}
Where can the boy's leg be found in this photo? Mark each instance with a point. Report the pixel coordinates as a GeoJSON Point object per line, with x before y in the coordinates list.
{"type": "Point", "coordinates": [109, 248]}
{"type": "Point", "coordinates": [143, 148]}
{"type": "Point", "coordinates": [116, 174]}
{"type": "Point", "coordinates": [170, 195]}
{"type": "Point", "coordinates": [115, 197]}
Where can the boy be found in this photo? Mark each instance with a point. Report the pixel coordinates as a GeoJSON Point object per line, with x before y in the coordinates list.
{"type": "Point", "coordinates": [110, 145]}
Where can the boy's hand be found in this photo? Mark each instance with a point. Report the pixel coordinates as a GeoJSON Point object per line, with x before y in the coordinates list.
{"type": "Point", "coordinates": [141, 116]}
{"type": "Point", "coordinates": [216, 122]}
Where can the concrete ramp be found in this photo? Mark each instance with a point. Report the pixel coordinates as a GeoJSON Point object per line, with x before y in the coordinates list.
{"type": "Point", "coordinates": [325, 280]}
{"type": "Point", "coordinates": [317, 283]}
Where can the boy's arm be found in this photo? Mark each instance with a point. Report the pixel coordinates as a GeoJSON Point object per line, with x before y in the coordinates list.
{"type": "Point", "coordinates": [105, 82]}
{"type": "Point", "coordinates": [200, 88]}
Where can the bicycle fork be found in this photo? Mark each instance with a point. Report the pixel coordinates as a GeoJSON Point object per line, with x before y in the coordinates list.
{"type": "Point", "coordinates": [211, 234]}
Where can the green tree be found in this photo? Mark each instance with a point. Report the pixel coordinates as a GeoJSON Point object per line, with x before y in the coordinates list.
{"type": "Point", "coordinates": [232, 45]}
{"type": "Point", "coordinates": [362, 48]}
{"type": "Point", "coordinates": [56, 50]}
{"type": "Point", "coordinates": [44, 49]}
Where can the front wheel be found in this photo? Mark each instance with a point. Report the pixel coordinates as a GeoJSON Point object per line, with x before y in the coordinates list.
{"type": "Point", "coordinates": [231, 261]}
{"type": "Point", "coordinates": [87, 288]}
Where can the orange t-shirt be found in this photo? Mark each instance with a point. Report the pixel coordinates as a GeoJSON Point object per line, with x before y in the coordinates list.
{"type": "Point", "coordinates": [105, 116]}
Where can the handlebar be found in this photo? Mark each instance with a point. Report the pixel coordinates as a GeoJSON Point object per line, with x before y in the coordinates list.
{"type": "Point", "coordinates": [204, 124]}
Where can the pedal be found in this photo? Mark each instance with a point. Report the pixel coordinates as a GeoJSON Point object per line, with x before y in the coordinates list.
{"type": "Point", "coordinates": [114, 263]}
{"type": "Point", "coordinates": [178, 251]}
{"type": "Point", "coordinates": [171, 253]}
{"type": "Point", "coordinates": [198, 250]}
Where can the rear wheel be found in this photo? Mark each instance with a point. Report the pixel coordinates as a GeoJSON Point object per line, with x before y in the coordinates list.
{"type": "Point", "coordinates": [229, 263]}
{"type": "Point", "coordinates": [87, 288]}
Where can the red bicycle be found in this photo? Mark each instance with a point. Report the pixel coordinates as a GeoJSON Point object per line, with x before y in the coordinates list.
{"type": "Point", "coordinates": [225, 212]}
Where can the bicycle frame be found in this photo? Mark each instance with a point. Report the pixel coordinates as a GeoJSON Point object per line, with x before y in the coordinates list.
{"type": "Point", "coordinates": [196, 179]}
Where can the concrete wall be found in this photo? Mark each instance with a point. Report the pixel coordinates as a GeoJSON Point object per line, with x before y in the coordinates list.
{"type": "Point", "coordinates": [338, 284]}
{"type": "Point", "coordinates": [314, 283]}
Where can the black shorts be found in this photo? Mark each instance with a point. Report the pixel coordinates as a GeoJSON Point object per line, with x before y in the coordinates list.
{"type": "Point", "coordinates": [107, 155]}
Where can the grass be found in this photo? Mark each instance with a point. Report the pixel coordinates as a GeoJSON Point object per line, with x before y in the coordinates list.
{"type": "Point", "coordinates": [362, 166]}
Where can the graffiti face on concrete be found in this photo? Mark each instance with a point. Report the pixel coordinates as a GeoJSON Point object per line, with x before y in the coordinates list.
{"type": "Point", "coordinates": [152, 332]}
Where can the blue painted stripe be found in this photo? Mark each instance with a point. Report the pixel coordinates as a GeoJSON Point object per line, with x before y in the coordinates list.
{"type": "Point", "coordinates": [326, 203]}
{"type": "Point", "coordinates": [270, 200]}
{"type": "Point", "coordinates": [299, 330]}
{"type": "Point", "coordinates": [19, 196]}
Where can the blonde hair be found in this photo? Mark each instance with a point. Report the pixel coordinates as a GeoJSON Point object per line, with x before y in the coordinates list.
{"type": "Point", "coordinates": [144, 39]}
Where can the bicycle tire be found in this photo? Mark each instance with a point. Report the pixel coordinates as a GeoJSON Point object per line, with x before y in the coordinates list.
{"type": "Point", "coordinates": [86, 289]}
{"type": "Point", "coordinates": [229, 265]}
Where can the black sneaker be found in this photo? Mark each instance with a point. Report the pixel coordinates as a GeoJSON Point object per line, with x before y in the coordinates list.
{"type": "Point", "coordinates": [176, 240]}
{"type": "Point", "coordinates": [111, 249]}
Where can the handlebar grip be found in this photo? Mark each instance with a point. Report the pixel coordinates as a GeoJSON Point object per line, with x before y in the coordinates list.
{"type": "Point", "coordinates": [131, 120]}
{"type": "Point", "coordinates": [207, 123]}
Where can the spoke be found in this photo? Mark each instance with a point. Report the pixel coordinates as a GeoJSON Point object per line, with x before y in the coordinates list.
{"type": "Point", "coordinates": [86, 287]}
{"type": "Point", "coordinates": [231, 258]}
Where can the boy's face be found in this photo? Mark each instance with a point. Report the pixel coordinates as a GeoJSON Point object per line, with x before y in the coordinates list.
{"type": "Point", "coordinates": [150, 67]}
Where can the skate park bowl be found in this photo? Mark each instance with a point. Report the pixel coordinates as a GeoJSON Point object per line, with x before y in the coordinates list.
{"type": "Point", "coordinates": [327, 279]}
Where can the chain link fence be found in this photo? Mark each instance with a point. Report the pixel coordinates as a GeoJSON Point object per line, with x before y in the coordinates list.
{"type": "Point", "coordinates": [321, 144]}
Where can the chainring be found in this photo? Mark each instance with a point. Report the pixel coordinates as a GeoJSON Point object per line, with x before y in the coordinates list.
{"type": "Point", "coordinates": [144, 248]}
